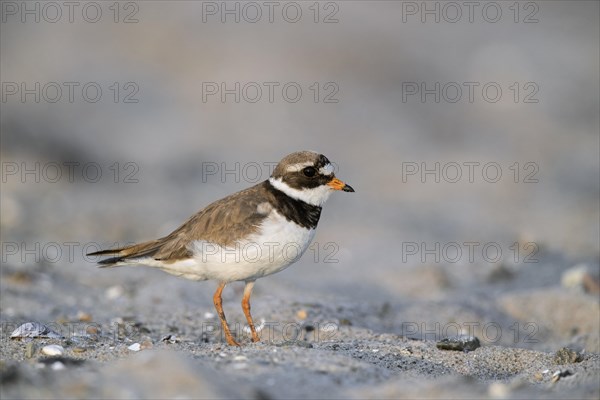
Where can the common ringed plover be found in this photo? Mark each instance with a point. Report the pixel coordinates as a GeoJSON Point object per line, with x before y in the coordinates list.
{"type": "Point", "coordinates": [246, 235]}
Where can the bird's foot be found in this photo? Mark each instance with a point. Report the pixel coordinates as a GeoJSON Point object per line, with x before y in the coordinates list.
{"type": "Point", "coordinates": [231, 341]}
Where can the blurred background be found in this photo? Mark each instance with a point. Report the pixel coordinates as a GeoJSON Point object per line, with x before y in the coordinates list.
{"type": "Point", "coordinates": [120, 120]}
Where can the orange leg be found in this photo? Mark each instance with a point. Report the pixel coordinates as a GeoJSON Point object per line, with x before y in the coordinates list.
{"type": "Point", "coordinates": [219, 306]}
{"type": "Point", "coordinates": [246, 308]}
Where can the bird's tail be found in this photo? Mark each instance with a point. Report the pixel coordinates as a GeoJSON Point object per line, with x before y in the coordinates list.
{"type": "Point", "coordinates": [124, 254]}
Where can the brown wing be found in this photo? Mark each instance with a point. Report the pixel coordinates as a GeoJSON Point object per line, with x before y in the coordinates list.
{"type": "Point", "coordinates": [220, 222]}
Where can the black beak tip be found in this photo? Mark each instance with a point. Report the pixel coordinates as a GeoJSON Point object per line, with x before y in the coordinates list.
{"type": "Point", "coordinates": [347, 188]}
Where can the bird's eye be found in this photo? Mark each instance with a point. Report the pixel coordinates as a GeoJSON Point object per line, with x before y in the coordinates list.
{"type": "Point", "coordinates": [309, 171]}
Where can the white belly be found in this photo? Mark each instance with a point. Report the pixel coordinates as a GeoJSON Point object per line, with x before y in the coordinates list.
{"type": "Point", "coordinates": [278, 244]}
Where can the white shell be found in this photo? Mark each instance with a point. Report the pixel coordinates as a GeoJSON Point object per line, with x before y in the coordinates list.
{"type": "Point", "coordinates": [34, 330]}
{"type": "Point", "coordinates": [53, 350]}
{"type": "Point", "coordinates": [135, 347]}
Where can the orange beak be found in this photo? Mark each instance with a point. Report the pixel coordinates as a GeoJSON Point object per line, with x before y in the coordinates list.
{"type": "Point", "coordinates": [336, 184]}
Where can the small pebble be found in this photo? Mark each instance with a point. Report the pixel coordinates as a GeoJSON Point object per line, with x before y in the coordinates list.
{"type": "Point", "coordinates": [560, 374]}
{"type": "Point", "coordinates": [53, 350]}
{"type": "Point", "coordinates": [114, 292]}
{"type": "Point", "coordinates": [406, 351]}
{"type": "Point", "coordinates": [57, 366]}
{"type": "Point", "coordinates": [91, 330]}
{"type": "Point", "coordinates": [84, 317]}
{"type": "Point", "coordinates": [170, 339]}
{"type": "Point", "coordinates": [498, 390]}
{"type": "Point", "coordinates": [209, 315]}
{"type": "Point", "coordinates": [21, 277]}
{"type": "Point", "coordinates": [146, 343]}
{"type": "Point", "coordinates": [566, 356]}
{"type": "Point", "coordinates": [295, 343]}
{"type": "Point", "coordinates": [580, 277]}
{"type": "Point", "coordinates": [29, 350]}
{"type": "Point", "coordinates": [591, 284]}
{"type": "Point", "coordinates": [459, 343]}
{"type": "Point", "coordinates": [79, 349]}
{"type": "Point", "coordinates": [301, 314]}
{"type": "Point", "coordinates": [500, 272]}
{"type": "Point", "coordinates": [135, 347]}
{"type": "Point", "coordinates": [258, 328]}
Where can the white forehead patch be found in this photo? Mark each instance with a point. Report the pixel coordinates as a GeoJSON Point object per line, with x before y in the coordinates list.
{"type": "Point", "coordinates": [299, 166]}
{"type": "Point", "coordinates": [326, 170]}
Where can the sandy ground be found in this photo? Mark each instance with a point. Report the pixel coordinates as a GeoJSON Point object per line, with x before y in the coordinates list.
{"type": "Point", "coordinates": [411, 258]}
{"type": "Point", "coordinates": [314, 345]}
